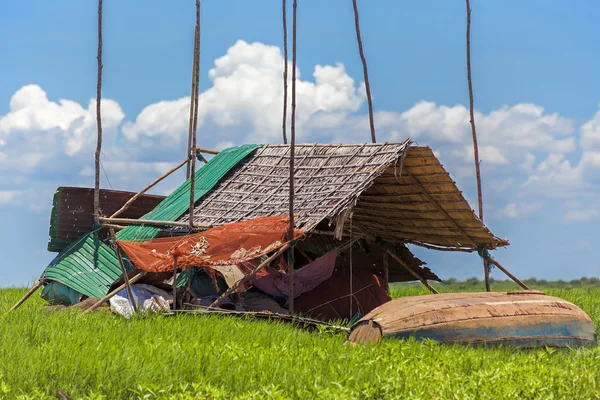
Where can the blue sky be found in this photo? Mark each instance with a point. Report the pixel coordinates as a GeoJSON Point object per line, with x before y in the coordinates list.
{"type": "Point", "coordinates": [537, 102]}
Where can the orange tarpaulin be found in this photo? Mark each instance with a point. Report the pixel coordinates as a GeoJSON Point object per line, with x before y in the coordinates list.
{"type": "Point", "coordinates": [224, 245]}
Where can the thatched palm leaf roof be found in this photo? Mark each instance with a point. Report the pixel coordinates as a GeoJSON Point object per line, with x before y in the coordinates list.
{"type": "Point", "coordinates": [397, 192]}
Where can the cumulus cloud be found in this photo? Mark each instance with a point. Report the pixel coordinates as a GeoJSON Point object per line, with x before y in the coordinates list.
{"type": "Point", "coordinates": [522, 147]}
{"type": "Point", "coordinates": [518, 210]}
{"type": "Point", "coordinates": [37, 129]}
{"type": "Point", "coordinates": [8, 196]}
{"type": "Point", "coordinates": [247, 92]}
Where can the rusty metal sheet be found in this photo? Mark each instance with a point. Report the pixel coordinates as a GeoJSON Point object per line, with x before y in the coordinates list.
{"type": "Point", "coordinates": [73, 208]}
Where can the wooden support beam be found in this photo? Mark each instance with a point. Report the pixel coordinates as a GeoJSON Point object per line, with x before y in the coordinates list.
{"type": "Point", "coordinates": [386, 271]}
{"type": "Point", "coordinates": [115, 246]}
{"type": "Point", "coordinates": [191, 120]}
{"type": "Point", "coordinates": [144, 190]}
{"type": "Point", "coordinates": [412, 272]}
{"type": "Point", "coordinates": [28, 294]}
{"type": "Point", "coordinates": [114, 292]}
{"type": "Point", "coordinates": [206, 151]}
{"type": "Point", "coordinates": [174, 305]}
{"type": "Point", "coordinates": [251, 275]}
{"type": "Point", "coordinates": [511, 276]}
{"type": "Point", "coordinates": [129, 221]}
{"type": "Point", "coordinates": [97, 210]}
{"type": "Point", "coordinates": [486, 271]}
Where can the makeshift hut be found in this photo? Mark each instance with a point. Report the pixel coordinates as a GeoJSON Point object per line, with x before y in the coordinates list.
{"type": "Point", "coordinates": [367, 201]}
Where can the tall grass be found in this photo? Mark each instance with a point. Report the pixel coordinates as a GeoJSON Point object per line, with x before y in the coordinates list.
{"type": "Point", "coordinates": [101, 356]}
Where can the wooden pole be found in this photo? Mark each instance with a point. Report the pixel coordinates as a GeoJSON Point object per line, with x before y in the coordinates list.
{"type": "Point", "coordinates": [412, 272]}
{"type": "Point", "coordinates": [144, 190]}
{"type": "Point", "coordinates": [486, 271]}
{"type": "Point", "coordinates": [192, 95]}
{"type": "Point", "coordinates": [114, 292]}
{"type": "Point", "coordinates": [386, 271]}
{"type": "Point", "coordinates": [474, 134]}
{"type": "Point", "coordinates": [195, 123]}
{"type": "Point", "coordinates": [251, 275]}
{"type": "Point", "coordinates": [206, 151]}
{"type": "Point", "coordinates": [511, 276]}
{"type": "Point", "coordinates": [285, 71]}
{"type": "Point", "coordinates": [188, 286]}
{"type": "Point", "coordinates": [28, 294]}
{"type": "Point", "coordinates": [129, 221]}
{"type": "Point", "coordinates": [365, 71]}
{"type": "Point", "coordinates": [117, 250]}
{"type": "Point", "coordinates": [292, 150]}
{"type": "Point", "coordinates": [98, 118]}
{"type": "Point", "coordinates": [174, 305]}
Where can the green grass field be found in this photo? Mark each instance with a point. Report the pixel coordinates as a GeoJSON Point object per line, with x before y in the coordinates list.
{"type": "Point", "coordinates": [102, 356]}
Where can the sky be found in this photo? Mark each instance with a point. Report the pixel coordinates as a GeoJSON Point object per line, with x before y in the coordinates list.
{"type": "Point", "coordinates": [536, 99]}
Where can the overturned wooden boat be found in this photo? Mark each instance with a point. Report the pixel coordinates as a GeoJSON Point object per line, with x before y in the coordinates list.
{"type": "Point", "coordinates": [522, 319]}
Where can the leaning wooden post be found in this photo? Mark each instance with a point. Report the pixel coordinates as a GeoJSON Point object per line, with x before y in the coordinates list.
{"type": "Point", "coordinates": [412, 272]}
{"type": "Point", "coordinates": [486, 271]}
{"type": "Point", "coordinates": [174, 283]}
{"type": "Point", "coordinates": [98, 119]}
{"type": "Point", "coordinates": [113, 239]}
{"type": "Point", "coordinates": [365, 71]}
{"type": "Point", "coordinates": [474, 134]}
{"type": "Point", "coordinates": [144, 190]}
{"type": "Point", "coordinates": [195, 122]}
{"type": "Point", "coordinates": [192, 95]}
{"type": "Point", "coordinates": [28, 294]}
{"type": "Point", "coordinates": [511, 276]}
{"type": "Point", "coordinates": [251, 275]}
{"type": "Point", "coordinates": [292, 149]}
{"type": "Point", "coordinates": [114, 292]}
{"type": "Point", "coordinates": [386, 271]}
{"type": "Point", "coordinates": [285, 70]}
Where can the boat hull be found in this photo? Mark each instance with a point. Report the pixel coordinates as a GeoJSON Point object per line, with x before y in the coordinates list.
{"type": "Point", "coordinates": [521, 319]}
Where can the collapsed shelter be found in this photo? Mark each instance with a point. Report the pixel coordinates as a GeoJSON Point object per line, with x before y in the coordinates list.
{"type": "Point", "coordinates": [369, 200]}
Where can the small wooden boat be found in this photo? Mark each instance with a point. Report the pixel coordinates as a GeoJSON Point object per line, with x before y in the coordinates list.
{"type": "Point", "coordinates": [522, 319]}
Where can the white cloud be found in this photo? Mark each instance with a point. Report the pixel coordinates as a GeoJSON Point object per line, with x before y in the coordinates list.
{"type": "Point", "coordinates": [501, 185]}
{"type": "Point", "coordinates": [522, 147]}
{"type": "Point", "coordinates": [581, 215]}
{"type": "Point", "coordinates": [247, 92]}
{"type": "Point", "coordinates": [590, 133]}
{"type": "Point", "coordinates": [517, 210]}
{"type": "Point", "coordinates": [36, 129]}
{"type": "Point", "coordinates": [8, 196]}
{"type": "Point", "coordinates": [577, 211]}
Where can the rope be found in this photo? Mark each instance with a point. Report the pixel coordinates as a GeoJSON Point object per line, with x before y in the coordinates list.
{"type": "Point", "coordinates": [485, 256]}
{"type": "Point", "coordinates": [285, 70]}
{"type": "Point", "coordinates": [98, 118]}
{"type": "Point", "coordinates": [365, 72]}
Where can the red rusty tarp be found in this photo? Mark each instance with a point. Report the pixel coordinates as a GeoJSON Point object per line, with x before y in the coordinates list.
{"type": "Point", "coordinates": [230, 244]}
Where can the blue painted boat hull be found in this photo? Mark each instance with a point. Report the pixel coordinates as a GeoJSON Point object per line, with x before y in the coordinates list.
{"type": "Point", "coordinates": [510, 319]}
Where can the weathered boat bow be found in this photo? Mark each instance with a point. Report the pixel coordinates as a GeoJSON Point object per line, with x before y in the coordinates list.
{"type": "Point", "coordinates": [522, 319]}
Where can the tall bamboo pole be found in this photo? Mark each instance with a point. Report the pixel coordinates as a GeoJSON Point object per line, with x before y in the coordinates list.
{"type": "Point", "coordinates": [365, 71]}
{"type": "Point", "coordinates": [98, 118]}
{"type": "Point", "coordinates": [195, 123]}
{"type": "Point", "coordinates": [192, 95]}
{"type": "Point", "coordinates": [292, 150]}
{"type": "Point", "coordinates": [486, 270]}
{"type": "Point", "coordinates": [285, 71]}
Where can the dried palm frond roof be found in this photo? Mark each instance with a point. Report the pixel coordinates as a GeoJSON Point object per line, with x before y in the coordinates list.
{"type": "Point", "coordinates": [394, 191]}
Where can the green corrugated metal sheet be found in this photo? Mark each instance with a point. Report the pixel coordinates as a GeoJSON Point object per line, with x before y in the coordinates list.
{"type": "Point", "coordinates": [178, 202]}
{"type": "Point", "coordinates": [88, 266]}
